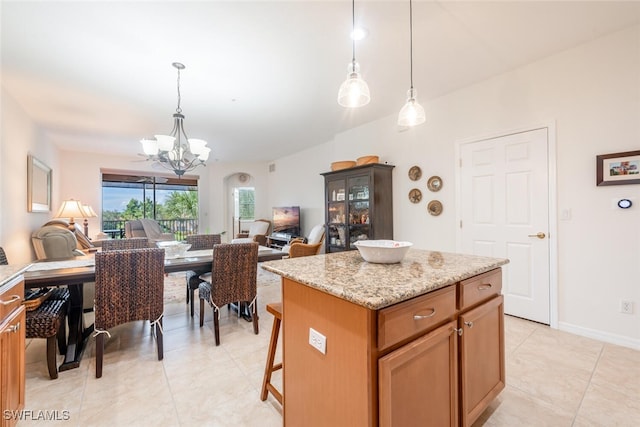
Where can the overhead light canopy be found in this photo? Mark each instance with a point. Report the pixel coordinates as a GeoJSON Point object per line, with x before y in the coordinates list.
{"type": "Point", "coordinates": [176, 152]}
{"type": "Point", "coordinates": [354, 91]}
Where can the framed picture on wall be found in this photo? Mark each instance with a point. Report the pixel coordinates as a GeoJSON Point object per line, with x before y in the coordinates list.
{"type": "Point", "coordinates": [38, 185]}
{"type": "Point", "coordinates": [618, 168]}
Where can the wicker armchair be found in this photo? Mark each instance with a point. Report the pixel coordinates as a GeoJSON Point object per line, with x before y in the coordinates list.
{"type": "Point", "coordinates": [198, 242]}
{"type": "Point", "coordinates": [258, 232]}
{"type": "Point", "coordinates": [233, 279]}
{"type": "Point", "coordinates": [122, 244]}
{"type": "Point", "coordinates": [129, 287]}
{"type": "Point", "coordinates": [299, 248]}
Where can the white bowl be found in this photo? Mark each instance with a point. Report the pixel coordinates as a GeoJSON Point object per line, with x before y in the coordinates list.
{"type": "Point", "coordinates": [382, 251]}
{"type": "Point", "coordinates": [173, 249]}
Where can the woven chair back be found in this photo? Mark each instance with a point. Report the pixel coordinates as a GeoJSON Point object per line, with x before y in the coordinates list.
{"type": "Point", "coordinates": [3, 258]}
{"type": "Point", "coordinates": [234, 273]}
{"type": "Point", "coordinates": [129, 286]}
{"type": "Point", "coordinates": [122, 244]}
{"type": "Point", "coordinates": [203, 241]}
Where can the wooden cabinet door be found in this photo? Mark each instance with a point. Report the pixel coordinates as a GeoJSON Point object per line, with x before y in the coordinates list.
{"type": "Point", "coordinates": [482, 373]}
{"type": "Point", "coordinates": [417, 383]}
{"type": "Point", "coordinates": [12, 375]}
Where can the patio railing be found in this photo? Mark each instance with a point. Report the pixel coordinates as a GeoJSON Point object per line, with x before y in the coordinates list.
{"type": "Point", "coordinates": [180, 227]}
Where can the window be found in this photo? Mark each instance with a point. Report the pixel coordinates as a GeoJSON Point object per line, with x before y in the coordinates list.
{"type": "Point", "coordinates": [245, 202]}
{"type": "Point", "coordinates": [170, 201]}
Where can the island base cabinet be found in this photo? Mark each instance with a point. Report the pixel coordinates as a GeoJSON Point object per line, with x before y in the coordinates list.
{"type": "Point", "coordinates": [12, 375]}
{"type": "Point", "coordinates": [417, 383]}
{"type": "Point", "coordinates": [482, 370]}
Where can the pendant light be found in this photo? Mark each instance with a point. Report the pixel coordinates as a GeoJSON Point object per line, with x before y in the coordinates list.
{"type": "Point", "coordinates": [354, 91]}
{"type": "Point", "coordinates": [412, 113]}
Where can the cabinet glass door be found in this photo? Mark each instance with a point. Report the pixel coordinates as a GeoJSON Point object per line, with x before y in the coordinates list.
{"type": "Point", "coordinates": [359, 228]}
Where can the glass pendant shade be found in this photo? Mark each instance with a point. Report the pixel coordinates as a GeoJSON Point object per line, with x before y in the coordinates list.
{"type": "Point", "coordinates": [165, 142]}
{"type": "Point", "coordinates": [354, 91]}
{"type": "Point", "coordinates": [412, 113]}
{"type": "Point", "coordinates": [149, 147]}
{"type": "Point", "coordinates": [197, 145]}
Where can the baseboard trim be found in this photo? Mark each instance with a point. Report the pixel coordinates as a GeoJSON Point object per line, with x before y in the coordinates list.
{"type": "Point", "coordinates": [600, 335]}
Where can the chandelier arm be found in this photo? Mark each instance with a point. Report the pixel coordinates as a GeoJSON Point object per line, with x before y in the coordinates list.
{"type": "Point", "coordinates": [353, 27]}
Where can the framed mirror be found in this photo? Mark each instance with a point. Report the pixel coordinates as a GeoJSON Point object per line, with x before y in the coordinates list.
{"type": "Point", "coordinates": [38, 186]}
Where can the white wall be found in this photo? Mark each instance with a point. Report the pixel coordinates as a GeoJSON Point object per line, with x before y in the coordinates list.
{"type": "Point", "coordinates": [20, 137]}
{"type": "Point", "coordinates": [592, 94]}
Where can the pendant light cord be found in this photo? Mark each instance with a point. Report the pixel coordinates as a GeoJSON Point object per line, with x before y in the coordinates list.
{"type": "Point", "coordinates": [411, 43]}
{"type": "Point", "coordinates": [353, 39]}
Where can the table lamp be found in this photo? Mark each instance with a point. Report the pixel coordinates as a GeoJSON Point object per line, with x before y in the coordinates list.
{"type": "Point", "coordinates": [90, 213]}
{"type": "Point", "coordinates": [71, 209]}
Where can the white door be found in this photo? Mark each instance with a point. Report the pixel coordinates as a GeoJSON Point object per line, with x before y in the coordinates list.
{"type": "Point", "coordinates": [504, 212]}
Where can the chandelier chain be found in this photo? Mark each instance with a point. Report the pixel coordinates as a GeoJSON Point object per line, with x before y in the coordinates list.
{"type": "Point", "coordinates": [178, 109]}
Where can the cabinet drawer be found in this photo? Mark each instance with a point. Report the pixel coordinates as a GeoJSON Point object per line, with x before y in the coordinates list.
{"type": "Point", "coordinates": [11, 296]}
{"type": "Point", "coordinates": [409, 318]}
{"type": "Point", "coordinates": [480, 288]}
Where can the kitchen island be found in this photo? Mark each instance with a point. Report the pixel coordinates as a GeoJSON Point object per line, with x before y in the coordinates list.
{"type": "Point", "coordinates": [415, 343]}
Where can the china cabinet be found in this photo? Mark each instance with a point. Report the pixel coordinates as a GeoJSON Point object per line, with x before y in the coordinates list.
{"type": "Point", "coordinates": [358, 206]}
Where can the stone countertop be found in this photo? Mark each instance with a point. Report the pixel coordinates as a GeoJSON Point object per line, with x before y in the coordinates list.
{"type": "Point", "coordinates": [346, 275]}
{"type": "Point", "coordinates": [8, 272]}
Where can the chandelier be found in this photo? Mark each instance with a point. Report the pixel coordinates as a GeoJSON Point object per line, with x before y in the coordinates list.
{"type": "Point", "coordinates": [176, 152]}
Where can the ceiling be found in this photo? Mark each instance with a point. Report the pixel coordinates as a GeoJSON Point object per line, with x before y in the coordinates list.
{"type": "Point", "coordinates": [262, 77]}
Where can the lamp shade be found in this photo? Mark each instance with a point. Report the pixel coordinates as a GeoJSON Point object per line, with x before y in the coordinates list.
{"type": "Point", "coordinates": [412, 113]}
{"type": "Point", "coordinates": [71, 209]}
{"type": "Point", "coordinates": [89, 212]}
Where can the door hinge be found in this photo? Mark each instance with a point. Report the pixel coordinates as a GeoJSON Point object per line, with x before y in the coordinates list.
{"type": "Point", "coordinates": [460, 162]}
{"type": "Point", "coordinates": [460, 223]}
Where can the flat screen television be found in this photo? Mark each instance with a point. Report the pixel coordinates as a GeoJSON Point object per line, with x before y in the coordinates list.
{"type": "Point", "coordinates": [286, 220]}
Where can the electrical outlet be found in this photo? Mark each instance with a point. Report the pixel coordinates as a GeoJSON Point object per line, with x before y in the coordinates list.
{"type": "Point", "coordinates": [318, 341]}
{"type": "Point", "coordinates": [626, 307]}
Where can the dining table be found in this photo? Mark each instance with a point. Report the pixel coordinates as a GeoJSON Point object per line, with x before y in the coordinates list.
{"type": "Point", "coordinates": [73, 273]}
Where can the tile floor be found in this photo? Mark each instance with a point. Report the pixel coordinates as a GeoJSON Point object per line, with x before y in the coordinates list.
{"type": "Point", "coordinates": [553, 378]}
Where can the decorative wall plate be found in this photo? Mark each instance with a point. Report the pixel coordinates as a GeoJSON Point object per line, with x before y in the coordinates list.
{"type": "Point", "coordinates": [434, 207]}
{"type": "Point", "coordinates": [434, 183]}
{"type": "Point", "coordinates": [415, 173]}
{"type": "Point", "coordinates": [415, 195]}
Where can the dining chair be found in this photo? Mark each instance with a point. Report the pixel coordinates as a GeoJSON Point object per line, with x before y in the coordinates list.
{"type": "Point", "coordinates": [198, 242]}
{"type": "Point", "coordinates": [233, 278]}
{"type": "Point", "coordinates": [121, 244]}
{"type": "Point", "coordinates": [3, 257]}
{"type": "Point", "coordinates": [129, 287]}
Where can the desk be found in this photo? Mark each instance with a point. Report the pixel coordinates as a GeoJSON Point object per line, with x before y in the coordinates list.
{"type": "Point", "coordinates": [73, 273]}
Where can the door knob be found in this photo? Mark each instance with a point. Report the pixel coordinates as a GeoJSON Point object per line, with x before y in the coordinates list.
{"type": "Point", "coordinates": [539, 235]}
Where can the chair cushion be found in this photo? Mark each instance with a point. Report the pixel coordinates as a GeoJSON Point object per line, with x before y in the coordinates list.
{"type": "Point", "coordinates": [243, 240]}
{"type": "Point", "coordinates": [204, 290]}
{"type": "Point", "coordinates": [258, 227]}
{"type": "Point", "coordinates": [316, 234]}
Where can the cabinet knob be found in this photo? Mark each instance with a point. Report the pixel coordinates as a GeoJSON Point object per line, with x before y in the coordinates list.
{"type": "Point", "coordinates": [469, 324]}
{"type": "Point", "coordinates": [13, 328]}
{"type": "Point", "coordinates": [458, 331]}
